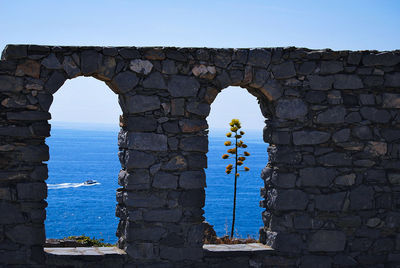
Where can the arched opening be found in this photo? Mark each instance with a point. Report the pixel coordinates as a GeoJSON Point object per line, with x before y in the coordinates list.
{"type": "Point", "coordinates": [83, 165]}
{"type": "Point", "coordinates": [235, 102]}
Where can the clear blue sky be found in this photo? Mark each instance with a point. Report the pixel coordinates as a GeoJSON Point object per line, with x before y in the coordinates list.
{"type": "Point", "coordinates": [340, 25]}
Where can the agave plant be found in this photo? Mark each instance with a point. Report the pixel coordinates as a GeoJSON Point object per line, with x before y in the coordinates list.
{"type": "Point", "coordinates": [233, 153]}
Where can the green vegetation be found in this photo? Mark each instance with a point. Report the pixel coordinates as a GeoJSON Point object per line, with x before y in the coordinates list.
{"type": "Point", "coordinates": [90, 242]}
{"type": "Point", "coordinates": [239, 159]}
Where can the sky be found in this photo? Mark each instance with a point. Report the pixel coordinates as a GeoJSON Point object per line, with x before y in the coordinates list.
{"type": "Point", "coordinates": [339, 25]}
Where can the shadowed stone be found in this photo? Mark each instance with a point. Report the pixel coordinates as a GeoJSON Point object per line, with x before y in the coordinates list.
{"type": "Point", "coordinates": [136, 180]}
{"type": "Point", "coordinates": [198, 108]}
{"type": "Point", "coordinates": [392, 80]}
{"type": "Point", "coordinates": [28, 116]}
{"type": "Point", "coordinates": [163, 180]}
{"type": "Point", "coordinates": [199, 144]}
{"type": "Point", "coordinates": [287, 200]}
{"type": "Point", "coordinates": [341, 135]}
{"type": "Point", "coordinates": [10, 213]}
{"type": "Point", "coordinates": [385, 59]}
{"type": "Point", "coordinates": [375, 115]}
{"type": "Point", "coordinates": [30, 68]}
{"type": "Point", "coordinates": [335, 159]}
{"type": "Point", "coordinates": [183, 86]}
{"type": "Point", "coordinates": [189, 126]}
{"type": "Point", "coordinates": [176, 163]}
{"type": "Point", "coordinates": [27, 235]}
{"type": "Point", "coordinates": [320, 82]}
{"type": "Point", "coordinates": [306, 68]}
{"type": "Point", "coordinates": [344, 81]}
{"type": "Point", "coordinates": [328, 241]}
{"type": "Point", "coordinates": [141, 123]}
{"type": "Point", "coordinates": [331, 67]}
{"type": "Point", "coordinates": [10, 83]}
{"type": "Point", "coordinates": [332, 116]}
{"type": "Point", "coordinates": [291, 109]}
{"type": "Point", "coordinates": [70, 67]}
{"type": "Point", "coordinates": [316, 177]}
{"type": "Point", "coordinates": [163, 215]}
{"type": "Point", "coordinates": [147, 141]}
{"type": "Point", "coordinates": [192, 180]}
{"type": "Point", "coordinates": [55, 81]}
{"type": "Point", "coordinates": [316, 262]}
{"type": "Point", "coordinates": [330, 202]}
{"type": "Point", "coordinates": [310, 137]}
{"type": "Point", "coordinates": [90, 61]}
{"type": "Point", "coordinates": [32, 191]}
{"type": "Point", "coordinates": [346, 180]}
{"type": "Point", "coordinates": [51, 62]}
{"type": "Point", "coordinates": [362, 198]}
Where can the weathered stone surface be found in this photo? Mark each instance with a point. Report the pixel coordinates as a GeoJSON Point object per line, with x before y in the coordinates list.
{"type": "Point", "coordinates": [136, 180]}
{"type": "Point", "coordinates": [163, 215]}
{"type": "Point", "coordinates": [154, 80]}
{"type": "Point", "coordinates": [30, 68]}
{"type": "Point", "coordinates": [27, 235]}
{"type": "Point", "coordinates": [136, 159]}
{"type": "Point", "coordinates": [141, 123]}
{"type": "Point", "coordinates": [197, 144]}
{"type": "Point", "coordinates": [147, 141]}
{"type": "Point", "coordinates": [141, 66]}
{"type": "Point", "coordinates": [198, 108]}
{"type": "Point", "coordinates": [320, 82]}
{"type": "Point", "coordinates": [341, 135]}
{"type": "Point", "coordinates": [310, 261]}
{"type": "Point", "coordinates": [287, 200]}
{"type": "Point", "coordinates": [391, 100]}
{"type": "Point", "coordinates": [169, 67]}
{"type": "Point", "coordinates": [177, 107]}
{"type": "Point", "coordinates": [345, 81]}
{"type": "Point", "coordinates": [330, 202]}
{"type": "Point", "coordinates": [331, 67]}
{"type": "Point", "coordinates": [391, 135]}
{"type": "Point", "coordinates": [176, 163]}
{"type": "Point", "coordinates": [346, 180]}
{"type": "Point", "coordinates": [291, 109]}
{"type": "Point", "coordinates": [163, 180]}
{"type": "Point", "coordinates": [335, 159]}
{"type": "Point", "coordinates": [189, 126]}
{"type": "Point", "coordinates": [306, 68]}
{"type": "Point", "coordinates": [284, 70]}
{"type": "Point", "coordinates": [316, 177]}
{"type": "Point", "coordinates": [392, 80]}
{"type": "Point", "coordinates": [183, 86]}
{"type": "Point", "coordinates": [310, 137]}
{"type": "Point", "coordinates": [375, 115]}
{"type": "Point", "coordinates": [51, 62]}
{"type": "Point", "coordinates": [28, 116]}
{"type": "Point", "coordinates": [394, 178]}
{"type": "Point", "coordinates": [32, 191]}
{"type": "Point", "coordinates": [141, 103]}
{"type": "Point", "coordinates": [192, 180]}
{"type": "Point", "coordinates": [70, 67]}
{"type": "Point", "coordinates": [204, 71]}
{"type": "Point", "coordinates": [385, 59]}
{"type": "Point", "coordinates": [55, 81]}
{"type": "Point", "coordinates": [90, 61]}
{"type": "Point", "coordinates": [362, 198]}
{"type": "Point", "coordinates": [328, 241]}
{"type": "Point", "coordinates": [10, 83]}
{"type": "Point", "coordinates": [376, 148]}
{"type": "Point", "coordinates": [11, 213]}
{"type": "Point", "coordinates": [333, 115]}
{"type": "Point", "coordinates": [362, 132]}
{"type": "Point", "coordinates": [124, 82]}
{"type": "Point", "coordinates": [197, 161]}
{"type": "Point", "coordinates": [259, 57]}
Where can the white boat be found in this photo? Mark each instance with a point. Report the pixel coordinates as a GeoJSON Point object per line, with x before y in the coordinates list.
{"type": "Point", "coordinates": [90, 182]}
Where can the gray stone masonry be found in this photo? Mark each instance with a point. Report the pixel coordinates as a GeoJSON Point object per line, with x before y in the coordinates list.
{"type": "Point", "coordinates": [332, 181]}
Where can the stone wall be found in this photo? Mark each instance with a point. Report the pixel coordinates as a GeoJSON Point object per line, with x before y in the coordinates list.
{"type": "Point", "coordinates": [332, 183]}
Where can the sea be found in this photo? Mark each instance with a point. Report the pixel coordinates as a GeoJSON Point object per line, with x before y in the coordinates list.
{"type": "Point", "coordinates": [80, 152]}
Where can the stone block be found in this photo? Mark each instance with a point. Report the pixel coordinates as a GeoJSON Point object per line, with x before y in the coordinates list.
{"type": "Point", "coordinates": [384, 59]}
{"type": "Point", "coordinates": [147, 141]}
{"type": "Point", "coordinates": [310, 261]}
{"type": "Point", "coordinates": [392, 80]}
{"type": "Point", "coordinates": [194, 144]}
{"type": "Point", "coordinates": [163, 215]}
{"type": "Point", "coordinates": [55, 81]}
{"type": "Point", "coordinates": [333, 115]}
{"type": "Point", "coordinates": [394, 178]}
{"type": "Point", "coordinates": [26, 235]}
{"type": "Point", "coordinates": [29, 68]}
{"type": "Point", "coordinates": [375, 176]}
{"type": "Point", "coordinates": [316, 177]}
{"type": "Point", "coordinates": [70, 67]}
{"type": "Point", "coordinates": [144, 199]}
{"type": "Point", "coordinates": [11, 213]}
{"type": "Point", "coordinates": [171, 127]}
{"type": "Point", "coordinates": [310, 137]}
{"type": "Point", "coordinates": [36, 191]}
{"type": "Point", "coordinates": [375, 115]}
{"type": "Point", "coordinates": [137, 159]}
{"type": "Point", "coordinates": [376, 148]}
{"type": "Point", "coordinates": [286, 242]}
{"type": "Point", "coordinates": [346, 180]}
{"type": "Point", "coordinates": [123, 82]}
{"type": "Point", "coordinates": [361, 198]}
{"type": "Point", "coordinates": [137, 179]}
{"type": "Point", "coordinates": [155, 81]}
{"type": "Point", "coordinates": [141, 251]}
{"type": "Point", "coordinates": [345, 81]}
{"type": "Point", "coordinates": [202, 109]}
{"type": "Point", "coordinates": [327, 241]}
{"type": "Point", "coordinates": [169, 67]}
{"type": "Point", "coordinates": [390, 135]}
{"type": "Point", "coordinates": [177, 163]}
{"type": "Point", "coordinates": [180, 254]}
{"type": "Point", "coordinates": [196, 161]}
{"type": "Point", "coordinates": [284, 70]}
{"type": "Point", "coordinates": [341, 135]}
{"type": "Point", "coordinates": [178, 107]}
{"type": "Point", "coordinates": [320, 82]}
{"type": "Point", "coordinates": [391, 100]}
{"type": "Point", "coordinates": [141, 66]}
{"type": "Point", "coordinates": [291, 109]}
{"type": "Point", "coordinates": [259, 57]}
{"type": "Point", "coordinates": [335, 159]}
{"type": "Point", "coordinates": [148, 233]}
{"type": "Point", "coordinates": [306, 68]}
{"type": "Point", "coordinates": [362, 132]}
{"type": "Point", "coordinates": [284, 200]}
{"type": "Point", "coordinates": [193, 198]}
{"type": "Point", "coordinates": [51, 62]}
{"type": "Point", "coordinates": [140, 103]}
{"type": "Point", "coordinates": [183, 86]}
{"type": "Point", "coordinates": [106, 70]}
{"type": "Point", "coordinates": [190, 126]}
{"type": "Point", "coordinates": [141, 123]}
{"type": "Point", "coordinates": [15, 52]}
{"type": "Point", "coordinates": [28, 116]}
{"type": "Point", "coordinates": [192, 180]}
{"type": "Point", "coordinates": [163, 180]}
{"type": "Point", "coordinates": [330, 202]}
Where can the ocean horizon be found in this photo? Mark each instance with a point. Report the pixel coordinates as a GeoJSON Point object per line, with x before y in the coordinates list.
{"type": "Point", "coordinates": [82, 151]}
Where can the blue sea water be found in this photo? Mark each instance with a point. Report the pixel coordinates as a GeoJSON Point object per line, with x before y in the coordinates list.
{"type": "Point", "coordinates": [78, 154]}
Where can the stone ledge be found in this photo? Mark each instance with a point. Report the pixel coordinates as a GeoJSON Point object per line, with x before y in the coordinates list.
{"type": "Point", "coordinates": [237, 250]}
{"type": "Point", "coordinates": [86, 251]}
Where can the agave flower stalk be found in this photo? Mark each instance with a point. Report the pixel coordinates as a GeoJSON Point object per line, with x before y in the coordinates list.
{"type": "Point", "coordinates": [239, 159]}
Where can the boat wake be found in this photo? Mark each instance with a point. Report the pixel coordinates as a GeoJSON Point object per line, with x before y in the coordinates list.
{"type": "Point", "coordinates": [69, 185]}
